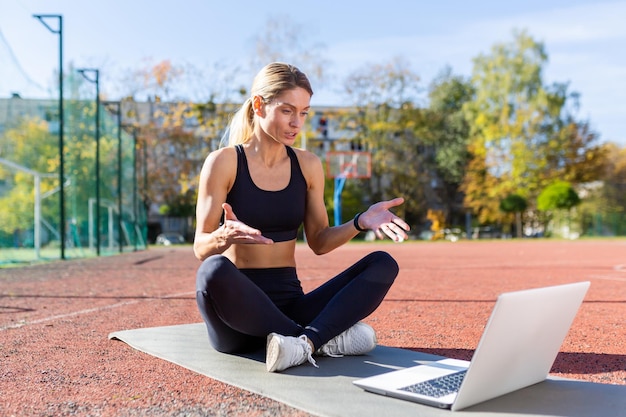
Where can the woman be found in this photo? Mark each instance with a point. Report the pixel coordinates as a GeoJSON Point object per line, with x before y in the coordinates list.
{"type": "Point", "coordinates": [253, 196]}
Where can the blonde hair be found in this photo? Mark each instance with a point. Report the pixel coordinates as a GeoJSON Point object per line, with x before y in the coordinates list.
{"type": "Point", "coordinates": [271, 81]}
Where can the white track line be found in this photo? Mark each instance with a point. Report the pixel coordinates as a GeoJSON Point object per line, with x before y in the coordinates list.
{"type": "Point", "coordinates": [608, 277]}
{"type": "Point", "coordinates": [91, 310]}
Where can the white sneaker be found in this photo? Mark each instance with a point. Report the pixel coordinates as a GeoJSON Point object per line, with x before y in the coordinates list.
{"type": "Point", "coordinates": [357, 340]}
{"type": "Point", "coordinates": [286, 351]}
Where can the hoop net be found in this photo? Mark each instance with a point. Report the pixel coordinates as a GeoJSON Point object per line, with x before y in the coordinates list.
{"type": "Point", "coordinates": [349, 164]}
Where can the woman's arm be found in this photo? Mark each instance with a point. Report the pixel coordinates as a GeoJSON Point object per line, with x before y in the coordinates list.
{"type": "Point", "coordinates": [322, 238]}
{"type": "Point", "coordinates": [216, 178]}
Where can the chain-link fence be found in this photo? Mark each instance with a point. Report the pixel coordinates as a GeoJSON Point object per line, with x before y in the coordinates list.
{"type": "Point", "coordinates": [101, 194]}
{"type": "Point", "coordinates": [604, 224]}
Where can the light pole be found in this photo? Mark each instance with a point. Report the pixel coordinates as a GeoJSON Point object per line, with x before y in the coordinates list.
{"type": "Point", "coordinates": [42, 18]}
{"type": "Point", "coordinates": [117, 106]}
{"type": "Point", "coordinates": [93, 76]}
{"type": "Point", "coordinates": [133, 131]}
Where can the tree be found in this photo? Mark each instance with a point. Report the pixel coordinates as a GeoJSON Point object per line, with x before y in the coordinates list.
{"type": "Point", "coordinates": [480, 186]}
{"type": "Point", "coordinates": [388, 124]}
{"type": "Point", "coordinates": [450, 131]}
{"type": "Point", "coordinates": [559, 195]}
{"type": "Point", "coordinates": [516, 204]}
{"type": "Point", "coordinates": [437, 223]}
{"type": "Point", "coordinates": [284, 40]}
{"type": "Point", "coordinates": [447, 134]}
{"type": "Point", "coordinates": [505, 117]}
{"type": "Point", "coordinates": [573, 153]}
{"type": "Point", "coordinates": [523, 133]}
{"type": "Point", "coordinates": [182, 95]}
{"type": "Point", "coordinates": [614, 178]}
{"type": "Point", "coordinates": [31, 145]}
{"type": "Point", "coordinates": [603, 210]}
{"type": "Point", "coordinates": [177, 135]}
{"type": "Point", "coordinates": [154, 80]}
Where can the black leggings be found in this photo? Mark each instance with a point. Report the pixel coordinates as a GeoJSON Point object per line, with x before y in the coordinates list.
{"type": "Point", "coordinates": [241, 307]}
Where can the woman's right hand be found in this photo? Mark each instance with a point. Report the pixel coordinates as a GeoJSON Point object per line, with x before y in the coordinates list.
{"type": "Point", "coordinates": [235, 231]}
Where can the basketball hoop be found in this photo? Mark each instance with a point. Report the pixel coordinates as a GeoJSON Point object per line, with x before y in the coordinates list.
{"type": "Point", "coordinates": [344, 165]}
{"type": "Point", "coordinates": [349, 164]}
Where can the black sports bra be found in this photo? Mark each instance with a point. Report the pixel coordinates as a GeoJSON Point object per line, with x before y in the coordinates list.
{"type": "Point", "coordinates": [277, 214]}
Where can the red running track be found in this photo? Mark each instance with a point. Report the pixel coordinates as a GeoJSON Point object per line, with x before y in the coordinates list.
{"type": "Point", "coordinates": [55, 318]}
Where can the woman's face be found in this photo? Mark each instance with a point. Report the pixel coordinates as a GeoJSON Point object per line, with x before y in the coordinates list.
{"type": "Point", "coordinates": [282, 118]}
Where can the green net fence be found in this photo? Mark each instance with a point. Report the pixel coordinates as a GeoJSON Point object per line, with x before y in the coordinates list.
{"type": "Point", "coordinates": [604, 224]}
{"type": "Point", "coordinates": [102, 199]}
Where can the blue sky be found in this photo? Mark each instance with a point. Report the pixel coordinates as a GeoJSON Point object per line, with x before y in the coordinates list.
{"type": "Point", "coordinates": [583, 38]}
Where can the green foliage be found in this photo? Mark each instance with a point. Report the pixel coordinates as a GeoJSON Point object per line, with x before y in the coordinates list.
{"type": "Point", "coordinates": [17, 208]}
{"type": "Point", "coordinates": [33, 143]}
{"type": "Point", "coordinates": [523, 133]}
{"type": "Point", "coordinates": [183, 205]}
{"type": "Point", "coordinates": [503, 132]}
{"type": "Point", "coordinates": [614, 179]}
{"type": "Point", "coordinates": [505, 118]}
{"type": "Point", "coordinates": [389, 124]}
{"type": "Point", "coordinates": [30, 145]}
{"type": "Point", "coordinates": [513, 203]}
{"type": "Point", "coordinates": [446, 132]}
{"type": "Point", "coordinates": [354, 198]}
{"type": "Point", "coordinates": [557, 196]}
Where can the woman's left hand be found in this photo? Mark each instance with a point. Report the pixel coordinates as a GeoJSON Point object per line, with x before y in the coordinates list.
{"type": "Point", "coordinates": [383, 222]}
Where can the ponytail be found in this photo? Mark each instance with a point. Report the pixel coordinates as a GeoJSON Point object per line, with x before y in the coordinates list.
{"type": "Point", "coordinates": [241, 125]}
{"type": "Point", "coordinates": [271, 81]}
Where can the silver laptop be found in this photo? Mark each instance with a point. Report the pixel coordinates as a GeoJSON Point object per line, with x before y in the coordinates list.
{"type": "Point", "coordinates": [517, 349]}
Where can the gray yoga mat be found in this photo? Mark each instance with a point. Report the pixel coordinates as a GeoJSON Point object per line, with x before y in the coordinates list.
{"type": "Point", "coordinates": [328, 391]}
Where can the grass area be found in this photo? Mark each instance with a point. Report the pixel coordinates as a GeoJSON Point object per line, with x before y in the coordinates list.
{"type": "Point", "coordinates": [18, 257]}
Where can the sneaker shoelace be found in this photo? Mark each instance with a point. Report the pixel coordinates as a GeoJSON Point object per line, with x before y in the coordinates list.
{"type": "Point", "coordinates": [306, 348]}
{"type": "Point", "coordinates": [332, 346]}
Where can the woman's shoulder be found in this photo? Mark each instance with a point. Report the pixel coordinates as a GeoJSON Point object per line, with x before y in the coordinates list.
{"type": "Point", "coordinates": [222, 154]}
{"type": "Point", "coordinates": [223, 158]}
{"type": "Point", "coordinates": [310, 163]}
{"type": "Point", "coordinates": [305, 156]}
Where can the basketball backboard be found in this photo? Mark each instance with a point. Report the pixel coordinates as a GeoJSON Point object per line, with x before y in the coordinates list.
{"type": "Point", "coordinates": [348, 164]}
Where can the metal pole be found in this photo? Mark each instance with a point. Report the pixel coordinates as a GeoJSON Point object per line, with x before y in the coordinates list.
{"type": "Point", "coordinates": [135, 208]}
{"type": "Point", "coordinates": [119, 175]}
{"type": "Point", "coordinates": [145, 168]}
{"type": "Point", "coordinates": [118, 115]}
{"type": "Point", "coordinates": [146, 208]}
{"type": "Point", "coordinates": [96, 80]}
{"type": "Point", "coordinates": [97, 162]}
{"type": "Point", "coordinates": [59, 32]}
{"type": "Point", "coordinates": [132, 130]}
{"type": "Point", "coordinates": [339, 184]}
{"type": "Point", "coordinates": [38, 216]}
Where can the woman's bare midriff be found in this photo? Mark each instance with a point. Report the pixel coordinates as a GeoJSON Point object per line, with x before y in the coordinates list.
{"type": "Point", "coordinates": [279, 254]}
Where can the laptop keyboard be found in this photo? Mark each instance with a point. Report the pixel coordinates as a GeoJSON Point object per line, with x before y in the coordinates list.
{"type": "Point", "coordinates": [438, 387]}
